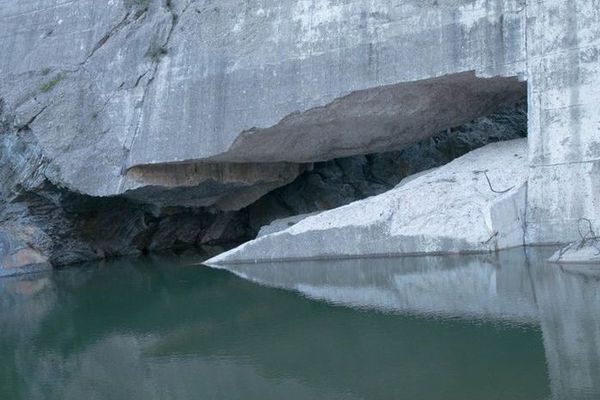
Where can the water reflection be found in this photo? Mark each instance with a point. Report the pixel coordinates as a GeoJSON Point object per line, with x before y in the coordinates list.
{"type": "Point", "coordinates": [516, 286]}
{"type": "Point", "coordinates": [492, 327]}
{"type": "Point", "coordinates": [482, 286]}
{"type": "Point", "coordinates": [569, 307]}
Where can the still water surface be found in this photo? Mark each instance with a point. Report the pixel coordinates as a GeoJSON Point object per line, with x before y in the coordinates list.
{"type": "Point", "coordinates": [506, 326]}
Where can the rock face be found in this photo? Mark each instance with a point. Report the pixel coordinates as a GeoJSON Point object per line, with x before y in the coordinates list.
{"type": "Point", "coordinates": [206, 107]}
{"type": "Point", "coordinates": [475, 203]}
{"type": "Point", "coordinates": [131, 92]}
{"type": "Point", "coordinates": [44, 225]}
{"type": "Point", "coordinates": [322, 74]}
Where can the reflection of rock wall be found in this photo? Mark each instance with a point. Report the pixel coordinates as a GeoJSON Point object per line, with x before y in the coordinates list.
{"type": "Point", "coordinates": [569, 308]}
{"type": "Point", "coordinates": [507, 287]}
{"type": "Point", "coordinates": [55, 312]}
{"type": "Point", "coordinates": [24, 303]}
{"type": "Point", "coordinates": [104, 331]}
{"type": "Point", "coordinates": [488, 287]}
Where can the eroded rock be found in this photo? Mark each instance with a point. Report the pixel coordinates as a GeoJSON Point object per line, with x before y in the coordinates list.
{"type": "Point", "coordinates": [227, 187]}
{"type": "Point", "coordinates": [376, 120]}
{"type": "Point", "coordinates": [43, 225]}
{"type": "Point", "coordinates": [180, 205]}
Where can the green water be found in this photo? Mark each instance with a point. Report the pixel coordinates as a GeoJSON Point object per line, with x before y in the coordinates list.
{"type": "Point", "coordinates": [493, 327]}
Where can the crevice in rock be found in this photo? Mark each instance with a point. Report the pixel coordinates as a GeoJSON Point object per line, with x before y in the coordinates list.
{"type": "Point", "coordinates": [31, 120]}
{"type": "Point", "coordinates": [107, 36]}
{"type": "Point", "coordinates": [155, 52]}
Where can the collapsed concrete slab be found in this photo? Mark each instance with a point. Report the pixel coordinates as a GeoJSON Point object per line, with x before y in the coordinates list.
{"type": "Point", "coordinates": [473, 204]}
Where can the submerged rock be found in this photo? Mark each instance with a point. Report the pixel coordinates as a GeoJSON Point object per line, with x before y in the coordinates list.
{"type": "Point", "coordinates": [474, 204]}
{"type": "Point", "coordinates": [584, 252]}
